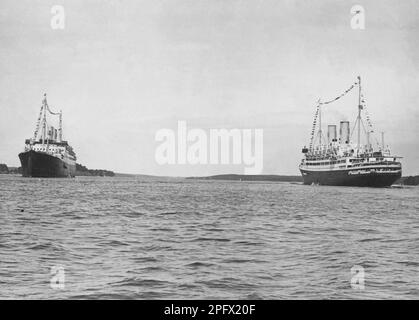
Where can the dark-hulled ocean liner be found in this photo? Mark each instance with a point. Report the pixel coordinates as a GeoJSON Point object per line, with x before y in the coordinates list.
{"type": "Point", "coordinates": [345, 161]}
{"type": "Point", "coordinates": [47, 154]}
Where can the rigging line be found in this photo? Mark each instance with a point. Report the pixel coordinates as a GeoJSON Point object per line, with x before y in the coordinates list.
{"type": "Point", "coordinates": [353, 129]}
{"type": "Point", "coordinates": [321, 137]}
{"type": "Point", "coordinates": [363, 126]}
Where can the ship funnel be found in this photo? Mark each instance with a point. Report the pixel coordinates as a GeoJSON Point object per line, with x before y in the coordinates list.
{"type": "Point", "coordinates": [344, 132]}
{"type": "Point", "coordinates": [331, 133]}
{"type": "Point", "coordinates": [51, 133]}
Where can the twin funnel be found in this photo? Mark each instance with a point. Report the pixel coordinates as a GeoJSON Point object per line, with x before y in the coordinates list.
{"type": "Point", "coordinates": [344, 133]}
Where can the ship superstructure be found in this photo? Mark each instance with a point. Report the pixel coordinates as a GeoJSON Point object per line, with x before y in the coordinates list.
{"type": "Point", "coordinates": [343, 160]}
{"type": "Point", "coordinates": [46, 154]}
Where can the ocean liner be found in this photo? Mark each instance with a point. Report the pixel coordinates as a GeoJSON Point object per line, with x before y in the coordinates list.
{"type": "Point", "coordinates": [47, 154]}
{"type": "Point", "coordinates": [345, 161]}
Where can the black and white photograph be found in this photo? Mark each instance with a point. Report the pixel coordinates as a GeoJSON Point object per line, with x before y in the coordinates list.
{"type": "Point", "coordinates": [209, 150]}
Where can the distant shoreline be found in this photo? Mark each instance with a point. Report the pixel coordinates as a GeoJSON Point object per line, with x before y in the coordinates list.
{"type": "Point", "coordinates": [83, 171]}
{"type": "Point", "coordinates": [243, 177]}
{"type": "Point", "coordinates": [408, 180]}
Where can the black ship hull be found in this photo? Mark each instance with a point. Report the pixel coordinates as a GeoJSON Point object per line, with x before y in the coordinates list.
{"type": "Point", "coordinates": [38, 164]}
{"type": "Point", "coordinates": [350, 178]}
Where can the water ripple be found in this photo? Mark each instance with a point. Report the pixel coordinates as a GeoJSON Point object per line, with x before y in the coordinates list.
{"type": "Point", "coordinates": [162, 238]}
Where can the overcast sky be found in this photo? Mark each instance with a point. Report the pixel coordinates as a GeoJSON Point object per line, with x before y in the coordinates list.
{"type": "Point", "coordinates": [121, 70]}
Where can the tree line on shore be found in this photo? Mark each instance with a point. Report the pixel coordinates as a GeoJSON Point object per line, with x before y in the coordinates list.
{"type": "Point", "coordinates": [4, 169]}
{"type": "Point", "coordinates": [83, 171]}
{"type": "Point", "coordinates": [409, 181]}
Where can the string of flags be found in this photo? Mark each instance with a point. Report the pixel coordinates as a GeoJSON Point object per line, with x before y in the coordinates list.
{"type": "Point", "coordinates": [37, 123]}
{"type": "Point", "coordinates": [330, 101]}
{"type": "Point", "coordinates": [314, 125]}
{"type": "Point", "coordinates": [54, 113]}
{"type": "Point", "coordinates": [367, 115]}
{"type": "Point", "coordinates": [40, 116]}
{"type": "Point", "coordinates": [342, 95]}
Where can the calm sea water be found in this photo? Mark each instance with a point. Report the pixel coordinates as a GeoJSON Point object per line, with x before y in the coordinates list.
{"type": "Point", "coordinates": [141, 238]}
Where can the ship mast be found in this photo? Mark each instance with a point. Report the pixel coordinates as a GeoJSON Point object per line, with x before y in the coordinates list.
{"type": "Point", "coordinates": [382, 141]}
{"type": "Point", "coordinates": [44, 133]}
{"type": "Point", "coordinates": [44, 120]}
{"type": "Point", "coordinates": [60, 128]}
{"type": "Point", "coordinates": [359, 115]}
{"type": "Point", "coordinates": [320, 125]}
